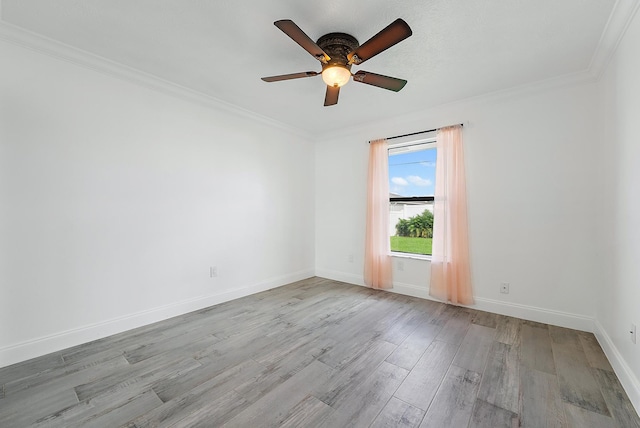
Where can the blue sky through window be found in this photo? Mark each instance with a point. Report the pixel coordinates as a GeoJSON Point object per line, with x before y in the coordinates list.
{"type": "Point", "coordinates": [413, 173]}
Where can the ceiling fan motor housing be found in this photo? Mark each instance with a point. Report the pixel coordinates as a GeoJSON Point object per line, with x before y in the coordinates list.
{"type": "Point", "coordinates": [338, 46]}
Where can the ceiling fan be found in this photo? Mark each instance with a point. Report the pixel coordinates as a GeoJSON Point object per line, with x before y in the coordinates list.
{"type": "Point", "coordinates": [339, 51]}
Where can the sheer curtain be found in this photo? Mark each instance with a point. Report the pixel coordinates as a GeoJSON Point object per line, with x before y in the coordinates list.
{"type": "Point", "coordinates": [377, 262]}
{"type": "Point", "coordinates": [450, 270]}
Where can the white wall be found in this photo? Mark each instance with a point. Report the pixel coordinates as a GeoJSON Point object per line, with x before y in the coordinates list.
{"type": "Point", "coordinates": [533, 187]}
{"type": "Point", "coordinates": [619, 292]}
{"type": "Point", "coordinates": [115, 200]}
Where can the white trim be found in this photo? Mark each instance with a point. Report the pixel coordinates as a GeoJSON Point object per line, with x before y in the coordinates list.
{"type": "Point", "coordinates": [534, 313]}
{"type": "Point", "coordinates": [367, 130]}
{"type": "Point", "coordinates": [411, 290]}
{"type": "Point", "coordinates": [627, 378]}
{"type": "Point", "coordinates": [428, 143]}
{"type": "Point", "coordinates": [334, 275]}
{"type": "Point", "coordinates": [53, 48]}
{"type": "Point", "coordinates": [398, 287]}
{"type": "Point", "coordinates": [526, 312]}
{"type": "Point", "coordinates": [414, 256]}
{"type": "Point", "coordinates": [55, 342]}
{"type": "Point", "coordinates": [621, 16]}
{"type": "Point", "coordinates": [619, 20]}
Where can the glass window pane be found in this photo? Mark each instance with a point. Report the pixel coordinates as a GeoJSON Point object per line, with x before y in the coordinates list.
{"type": "Point", "coordinates": [411, 227]}
{"type": "Point", "coordinates": [412, 172]}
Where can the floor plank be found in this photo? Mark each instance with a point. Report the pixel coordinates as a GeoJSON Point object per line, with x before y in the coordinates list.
{"type": "Point", "coordinates": [144, 374]}
{"type": "Point", "coordinates": [486, 415]}
{"type": "Point", "coordinates": [397, 413]}
{"type": "Point", "coordinates": [541, 405]}
{"type": "Point", "coordinates": [348, 377]}
{"type": "Point", "coordinates": [453, 404]}
{"type": "Point", "coordinates": [411, 349]}
{"type": "Point", "coordinates": [508, 330]}
{"type": "Point", "coordinates": [203, 403]}
{"type": "Point", "coordinates": [309, 412]}
{"type": "Point", "coordinates": [577, 384]}
{"type": "Point", "coordinates": [66, 377]}
{"type": "Point", "coordinates": [485, 319]}
{"type": "Point", "coordinates": [27, 407]}
{"type": "Point", "coordinates": [578, 417]}
{"type": "Point", "coordinates": [361, 406]}
{"type": "Point", "coordinates": [110, 401]}
{"type": "Point", "coordinates": [535, 346]}
{"type": "Point", "coordinates": [33, 367]}
{"type": "Point", "coordinates": [592, 350]}
{"type": "Point", "coordinates": [169, 388]}
{"type": "Point", "coordinates": [422, 383]}
{"type": "Point", "coordinates": [475, 348]}
{"type": "Point", "coordinates": [117, 416]}
{"type": "Point", "coordinates": [275, 406]}
{"type": "Point", "coordinates": [455, 329]}
{"type": "Point", "coordinates": [617, 400]}
{"type": "Point", "coordinates": [501, 379]}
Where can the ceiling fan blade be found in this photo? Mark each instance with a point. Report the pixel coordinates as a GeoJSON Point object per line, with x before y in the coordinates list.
{"type": "Point", "coordinates": [292, 30]}
{"type": "Point", "coordinates": [331, 97]}
{"type": "Point", "coordinates": [290, 76]}
{"type": "Point", "coordinates": [394, 33]}
{"type": "Point", "coordinates": [386, 82]}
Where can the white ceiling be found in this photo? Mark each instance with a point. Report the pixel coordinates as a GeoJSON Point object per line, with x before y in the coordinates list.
{"type": "Point", "coordinates": [459, 48]}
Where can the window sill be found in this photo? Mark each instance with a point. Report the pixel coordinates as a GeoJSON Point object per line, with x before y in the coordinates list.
{"type": "Point", "coordinates": [410, 256]}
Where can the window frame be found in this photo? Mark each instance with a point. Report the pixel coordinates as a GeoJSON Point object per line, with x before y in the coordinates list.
{"type": "Point", "coordinates": [430, 142]}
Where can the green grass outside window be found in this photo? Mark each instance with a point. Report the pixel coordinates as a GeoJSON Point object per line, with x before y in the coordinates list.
{"type": "Point", "coordinates": [405, 244]}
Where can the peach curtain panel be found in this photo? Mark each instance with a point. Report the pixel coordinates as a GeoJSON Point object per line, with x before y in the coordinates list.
{"type": "Point", "coordinates": [450, 270]}
{"type": "Point", "coordinates": [377, 262]}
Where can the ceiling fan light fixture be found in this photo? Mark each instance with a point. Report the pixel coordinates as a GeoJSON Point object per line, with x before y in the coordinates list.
{"type": "Point", "coordinates": [339, 51]}
{"type": "Point", "coordinates": [336, 75]}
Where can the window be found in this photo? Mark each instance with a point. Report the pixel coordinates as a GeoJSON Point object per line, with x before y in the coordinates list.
{"type": "Point", "coordinates": [412, 168]}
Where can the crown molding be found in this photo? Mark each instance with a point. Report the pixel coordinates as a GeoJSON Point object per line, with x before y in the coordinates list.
{"type": "Point", "coordinates": [621, 16]}
{"type": "Point", "coordinates": [58, 50]}
{"type": "Point", "coordinates": [619, 20]}
{"type": "Point", "coordinates": [371, 130]}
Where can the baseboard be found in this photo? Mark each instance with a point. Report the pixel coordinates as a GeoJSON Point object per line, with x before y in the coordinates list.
{"type": "Point", "coordinates": [400, 288]}
{"type": "Point", "coordinates": [55, 342]}
{"type": "Point", "coordinates": [411, 290]}
{"type": "Point", "coordinates": [627, 378]}
{"type": "Point", "coordinates": [531, 313]}
{"type": "Point", "coordinates": [334, 275]}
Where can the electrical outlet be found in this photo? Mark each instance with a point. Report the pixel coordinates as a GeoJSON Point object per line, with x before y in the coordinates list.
{"type": "Point", "coordinates": [213, 271]}
{"type": "Point", "coordinates": [350, 258]}
{"type": "Point", "coordinates": [504, 288]}
{"type": "Point", "coordinates": [400, 265]}
{"type": "Point", "coordinates": [632, 333]}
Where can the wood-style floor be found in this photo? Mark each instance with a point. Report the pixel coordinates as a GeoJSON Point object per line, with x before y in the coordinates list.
{"type": "Point", "coordinates": [321, 353]}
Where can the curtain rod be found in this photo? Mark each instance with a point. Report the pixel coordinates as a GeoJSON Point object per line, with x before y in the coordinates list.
{"type": "Point", "coordinates": [416, 133]}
